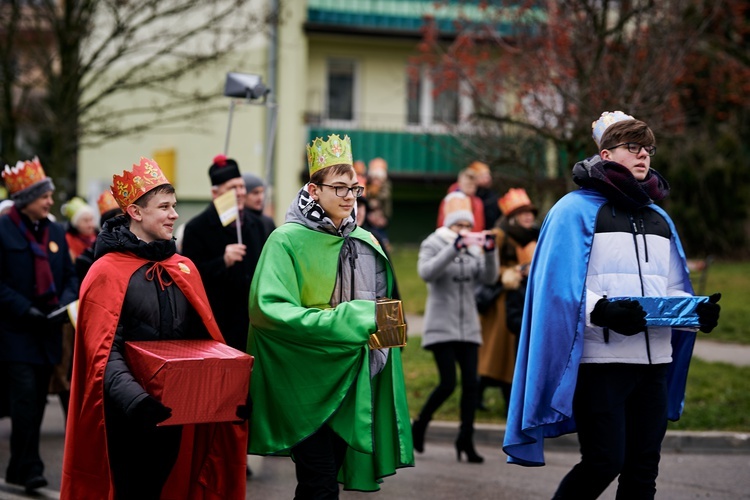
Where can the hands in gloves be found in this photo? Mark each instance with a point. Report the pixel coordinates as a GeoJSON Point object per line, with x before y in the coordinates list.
{"type": "Point", "coordinates": [244, 411]}
{"type": "Point", "coordinates": [36, 318]}
{"type": "Point", "coordinates": [708, 313]}
{"type": "Point", "coordinates": [149, 412]}
{"type": "Point", "coordinates": [625, 317]}
{"type": "Point", "coordinates": [459, 243]}
{"type": "Point", "coordinates": [489, 242]}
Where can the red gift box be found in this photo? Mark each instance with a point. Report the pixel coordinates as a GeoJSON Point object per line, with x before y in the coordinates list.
{"type": "Point", "coordinates": [200, 380]}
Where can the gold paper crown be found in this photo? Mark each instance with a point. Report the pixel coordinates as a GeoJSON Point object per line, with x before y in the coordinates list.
{"type": "Point", "coordinates": [24, 175]}
{"type": "Point", "coordinates": [106, 202]}
{"type": "Point", "coordinates": [514, 199]}
{"type": "Point", "coordinates": [334, 151]}
{"type": "Point", "coordinates": [130, 186]}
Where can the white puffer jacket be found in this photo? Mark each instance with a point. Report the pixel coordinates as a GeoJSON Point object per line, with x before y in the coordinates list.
{"type": "Point", "coordinates": [633, 254]}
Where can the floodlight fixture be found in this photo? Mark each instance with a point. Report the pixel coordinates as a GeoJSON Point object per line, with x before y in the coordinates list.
{"type": "Point", "coordinates": [245, 85]}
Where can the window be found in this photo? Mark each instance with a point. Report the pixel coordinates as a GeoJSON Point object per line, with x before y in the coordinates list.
{"type": "Point", "coordinates": [413, 100]}
{"type": "Point", "coordinates": [425, 108]}
{"type": "Point", "coordinates": [446, 107]}
{"type": "Point", "coordinates": [341, 89]}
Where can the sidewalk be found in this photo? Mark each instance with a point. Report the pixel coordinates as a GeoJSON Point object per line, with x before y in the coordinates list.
{"type": "Point", "coordinates": [675, 441]}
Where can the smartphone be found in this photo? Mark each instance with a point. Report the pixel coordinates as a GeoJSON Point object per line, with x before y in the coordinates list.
{"type": "Point", "coordinates": [474, 238]}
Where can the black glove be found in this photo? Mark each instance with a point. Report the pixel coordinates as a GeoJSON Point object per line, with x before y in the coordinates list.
{"type": "Point", "coordinates": [244, 411]}
{"type": "Point", "coordinates": [708, 313]}
{"type": "Point", "coordinates": [489, 242]}
{"type": "Point", "coordinates": [625, 317]}
{"type": "Point", "coordinates": [459, 243]}
{"type": "Point", "coordinates": [36, 318]}
{"type": "Point", "coordinates": [149, 412]}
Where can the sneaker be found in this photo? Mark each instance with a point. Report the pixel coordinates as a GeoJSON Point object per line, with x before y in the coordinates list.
{"type": "Point", "coordinates": [34, 483]}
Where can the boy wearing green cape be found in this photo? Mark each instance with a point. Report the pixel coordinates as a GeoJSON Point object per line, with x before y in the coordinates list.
{"type": "Point", "coordinates": [320, 394]}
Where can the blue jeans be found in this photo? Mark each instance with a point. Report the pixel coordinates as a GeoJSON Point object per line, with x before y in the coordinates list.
{"type": "Point", "coordinates": [621, 415]}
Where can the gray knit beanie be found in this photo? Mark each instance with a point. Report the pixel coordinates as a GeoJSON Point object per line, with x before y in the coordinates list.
{"type": "Point", "coordinates": [252, 181]}
{"type": "Point", "coordinates": [25, 196]}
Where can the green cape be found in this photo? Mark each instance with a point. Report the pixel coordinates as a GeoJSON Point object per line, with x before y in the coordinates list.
{"type": "Point", "coordinates": [312, 361]}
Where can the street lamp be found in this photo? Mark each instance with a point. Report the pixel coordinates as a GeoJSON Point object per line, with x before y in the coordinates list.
{"type": "Point", "coordinates": [251, 88]}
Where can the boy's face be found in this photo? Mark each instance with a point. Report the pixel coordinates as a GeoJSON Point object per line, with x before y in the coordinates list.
{"type": "Point", "coordinates": [638, 163]}
{"type": "Point", "coordinates": [336, 207]}
{"type": "Point", "coordinates": [156, 220]}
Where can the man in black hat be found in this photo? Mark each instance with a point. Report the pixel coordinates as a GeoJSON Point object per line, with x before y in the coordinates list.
{"type": "Point", "coordinates": [225, 264]}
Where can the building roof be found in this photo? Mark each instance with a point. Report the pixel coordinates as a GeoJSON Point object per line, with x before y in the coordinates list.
{"type": "Point", "coordinates": [408, 17]}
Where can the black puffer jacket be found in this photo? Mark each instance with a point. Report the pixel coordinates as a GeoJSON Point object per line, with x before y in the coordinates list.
{"type": "Point", "coordinates": [154, 309]}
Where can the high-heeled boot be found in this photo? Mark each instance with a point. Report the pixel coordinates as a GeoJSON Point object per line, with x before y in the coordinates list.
{"type": "Point", "coordinates": [465, 444]}
{"type": "Point", "coordinates": [418, 430]}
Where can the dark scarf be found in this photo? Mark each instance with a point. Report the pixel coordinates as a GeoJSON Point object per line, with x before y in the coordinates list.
{"type": "Point", "coordinates": [44, 283]}
{"type": "Point", "coordinates": [519, 234]}
{"type": "Point", "coordinates": [618, 184]}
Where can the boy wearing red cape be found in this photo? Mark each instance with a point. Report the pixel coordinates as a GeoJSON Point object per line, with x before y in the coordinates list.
{"type": "Point", "coordinates": [139, 288]}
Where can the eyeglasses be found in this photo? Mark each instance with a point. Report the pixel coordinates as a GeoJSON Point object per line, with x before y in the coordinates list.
{"type": "Point", "coordinates": [635, 148]}
{"type": "Point", "coordinates": [343, 191]}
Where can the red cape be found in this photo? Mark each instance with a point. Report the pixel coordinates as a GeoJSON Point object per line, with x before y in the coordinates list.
{"type": "Point", "coordinates": [212, 460]}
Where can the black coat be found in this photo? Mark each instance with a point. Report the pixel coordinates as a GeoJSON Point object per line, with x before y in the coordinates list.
{"type": "Point", "coordinates": [19, 341]}
{"type": "Point", "coordinates": [228, 289]}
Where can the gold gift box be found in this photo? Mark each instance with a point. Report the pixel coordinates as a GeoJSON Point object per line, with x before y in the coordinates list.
{"type": "Point", "coordinates": [389, 316]}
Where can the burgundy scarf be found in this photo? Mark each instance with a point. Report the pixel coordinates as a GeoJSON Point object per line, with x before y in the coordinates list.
{"type": "Point", "coordinates": [618, 184]}
{"type": "Point", "coordinates": [43, 281]}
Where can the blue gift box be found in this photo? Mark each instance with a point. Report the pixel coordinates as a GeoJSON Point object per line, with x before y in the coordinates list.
{"type": "Point", "coordinates": [678, 312]}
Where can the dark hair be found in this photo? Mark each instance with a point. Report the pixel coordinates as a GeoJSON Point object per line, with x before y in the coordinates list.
{"type": "Point", "coordinates": [143, 200]}
{"type": "Point", "coordinates": [338, 169]}
{"type": "Point", "coordinates": [627, 131]}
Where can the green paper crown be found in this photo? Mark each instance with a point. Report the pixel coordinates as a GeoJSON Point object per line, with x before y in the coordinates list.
{"type": "Point", "coordinates": [334, 151]}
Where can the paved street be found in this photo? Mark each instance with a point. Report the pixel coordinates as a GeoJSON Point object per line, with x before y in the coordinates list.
{"type": "Point", "coordinates": [711, 465]}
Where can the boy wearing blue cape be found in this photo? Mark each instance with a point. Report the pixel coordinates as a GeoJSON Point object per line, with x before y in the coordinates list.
{"type": "Point", "coordinates": [586, 363]}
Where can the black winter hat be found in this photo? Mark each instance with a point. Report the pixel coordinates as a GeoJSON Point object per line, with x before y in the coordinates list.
{"type": "Point", "coordinates": [222, 170]}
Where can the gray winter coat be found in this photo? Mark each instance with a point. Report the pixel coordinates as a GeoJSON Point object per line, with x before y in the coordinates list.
{"type": "Point", "coordinates": [451, 275]}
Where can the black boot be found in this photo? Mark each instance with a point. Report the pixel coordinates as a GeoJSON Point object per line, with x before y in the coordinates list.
{"type": "Point", "coordinates": [418, 430]}
{"type": "Point", "coordinates": [464, 444]}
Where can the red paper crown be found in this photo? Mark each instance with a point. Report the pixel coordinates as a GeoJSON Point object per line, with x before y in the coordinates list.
{"type": "Point", "coordinates": [106, 202]}
{"type": "Point", "coordinates": [24, 175]}
{"type": "Point", "coordinates": [514, 199]}
{"type": "Point", "coordinates": [130, 186]}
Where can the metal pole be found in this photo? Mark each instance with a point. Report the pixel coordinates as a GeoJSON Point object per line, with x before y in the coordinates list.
{"type": "Point", "coordinates": [229, 127]}
{"type": "Point", "coordinates": [239, 219]}
{"type": "Point", "coordinates": [269, 153]}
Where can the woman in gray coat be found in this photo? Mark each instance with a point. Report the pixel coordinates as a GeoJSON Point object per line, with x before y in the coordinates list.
{"type": "Point", "coordinates": [452, 261]}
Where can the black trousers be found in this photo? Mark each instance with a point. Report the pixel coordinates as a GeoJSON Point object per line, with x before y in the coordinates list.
{"type": "Point", "coordinates": [140, 457]}
{"type": "Point", "coordinates": [621, 415]}
{"type": "Point", "coordinates": [447, 355]}
{"type": "Point", "coordinates": [27, 391]}
{"type": "Point", "coordinates": [317, 461]}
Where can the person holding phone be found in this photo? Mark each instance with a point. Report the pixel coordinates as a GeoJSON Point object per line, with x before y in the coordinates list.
{"type": "Point", "coordinates": [452, 264]}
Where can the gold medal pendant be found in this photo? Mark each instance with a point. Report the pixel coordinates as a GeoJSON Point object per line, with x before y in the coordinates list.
{"type": "Point", "coordinates": [53, 247]}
